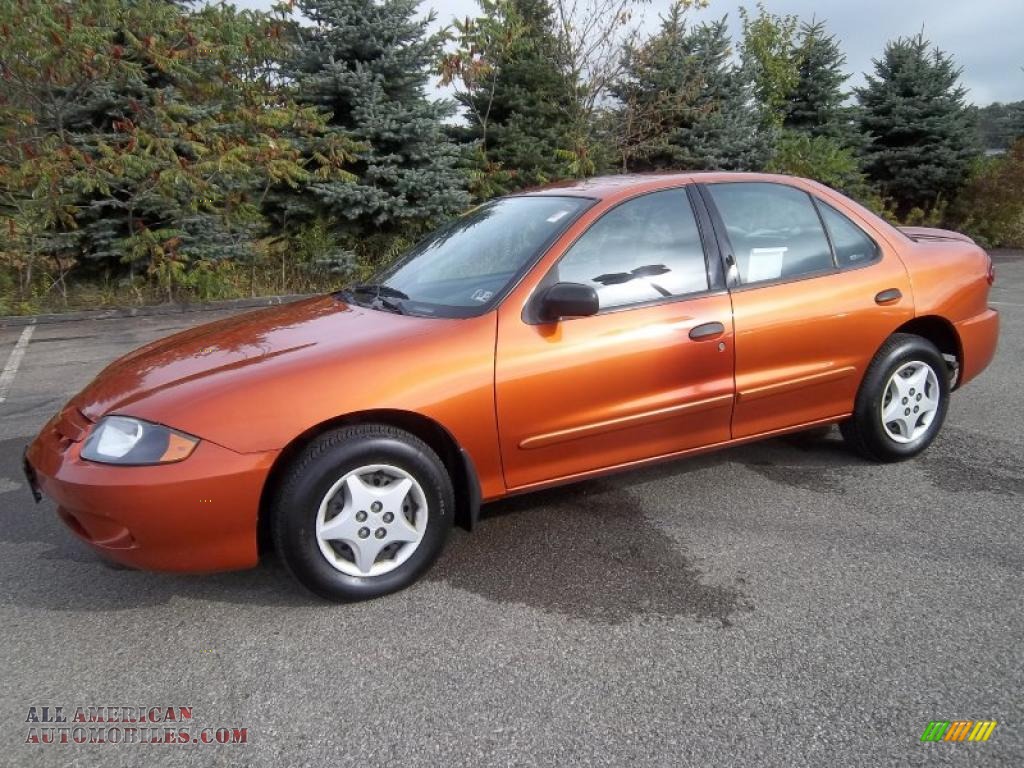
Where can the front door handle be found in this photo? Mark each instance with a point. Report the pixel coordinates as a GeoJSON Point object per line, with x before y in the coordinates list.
{"type": "Point", "coordinates": [707, 331]}
{"type": "Point", "coordinates": [888, 296]}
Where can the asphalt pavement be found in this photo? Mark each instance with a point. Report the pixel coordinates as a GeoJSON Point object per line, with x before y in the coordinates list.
{"type": "Point", "coordinates": [783, 603]}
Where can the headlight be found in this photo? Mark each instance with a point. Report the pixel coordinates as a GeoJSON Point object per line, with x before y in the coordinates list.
{"type": "Point", "coordinates": [124, 440]}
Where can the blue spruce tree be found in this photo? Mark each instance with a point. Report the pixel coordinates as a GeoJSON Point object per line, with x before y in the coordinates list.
{"type": "Point", "coordinates": [923, 139]}
{"type": "Point", "coordinates": [366, 62]}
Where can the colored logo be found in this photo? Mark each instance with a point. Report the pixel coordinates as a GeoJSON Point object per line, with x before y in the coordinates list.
{"type": "Point", "coordinates": [958, 730]}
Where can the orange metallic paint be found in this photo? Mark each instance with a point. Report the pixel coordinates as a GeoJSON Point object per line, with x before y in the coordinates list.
{"type": "Point", "coordinates": [257, 381]}
{"type": "Point", "coordinates": [978, 336]}
{"type": "Point", "coordinates": [531, 405]}
{"type": "Point", "coordinates": [193, 515]}
{"type": "Point", "coordinates": [609, 389]}
{"type": "Point", "coordinates": [802, 347]}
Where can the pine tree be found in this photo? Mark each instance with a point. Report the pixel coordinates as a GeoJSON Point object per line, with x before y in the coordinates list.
{"type": "Point", "coordinates": [695, 103]}
{"type": "Point", "coordinates": [922, 138]}
{"type": "Point", "coordinates": [519, 102]}
{"type": "Point", "coordinates": [366, 63]}
{"type": "Point", "coordinates": [140, 136]}
{"type": "Point", "coordinates": [815, 105]}
{"type": "Point", "coordinates": [819, 137]}
{"type": "Point", "coordinates": [134, 216]}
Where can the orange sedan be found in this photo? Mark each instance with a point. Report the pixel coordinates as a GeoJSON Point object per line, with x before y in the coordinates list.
{"type": "Point", "coordinates": [538, 339]}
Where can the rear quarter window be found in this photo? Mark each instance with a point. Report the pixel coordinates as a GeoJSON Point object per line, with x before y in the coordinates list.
{"type": "Point", "coordinates": [853, 246]}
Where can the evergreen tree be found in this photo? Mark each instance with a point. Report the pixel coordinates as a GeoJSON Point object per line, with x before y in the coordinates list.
{"type": "Point", "coordinates": [140, 136]}
{"type": "Point", "coordinates": [366, 63]}
{"type": "Point", "coordinates": [820, 138]}
{"type": "Point", "coordinates": [518, 102]}
{"type": "Point", "coordinates": [655, 92]}
{"type": "Point", "coordinates": [922, 137]}
{"type": "Point", "coordinates": [815, 105]}
{"type": "Point", "coordinates": [695, 104]}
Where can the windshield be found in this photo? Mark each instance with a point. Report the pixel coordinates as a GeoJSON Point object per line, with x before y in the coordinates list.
{"type": "Point", "coordinates": [466, 266]}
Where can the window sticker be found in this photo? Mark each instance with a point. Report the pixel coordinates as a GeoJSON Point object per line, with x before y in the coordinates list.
{"type": "Point", "coordinates": [557, 216]}
{"type": "Point", "coordinates": [765, 264]}
{"type": "Point", "coordinates": [481, 295]}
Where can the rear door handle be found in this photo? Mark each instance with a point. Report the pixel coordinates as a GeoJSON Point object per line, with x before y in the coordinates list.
{"type": "Point", "coordinates": [706, 331]}
{"type": "Point", "coordinates": [888, 296]}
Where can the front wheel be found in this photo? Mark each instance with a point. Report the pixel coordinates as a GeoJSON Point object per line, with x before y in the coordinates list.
{"type": "Point", "coordinates": [902, 401]}
{"type": "Point", "coordinates": [363, 511]}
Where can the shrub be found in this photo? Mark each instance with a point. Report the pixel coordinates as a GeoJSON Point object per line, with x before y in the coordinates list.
{"type": "Point", "coordinates": [991, 207]}
{"type": "Point", "coordinates": [823, 159]}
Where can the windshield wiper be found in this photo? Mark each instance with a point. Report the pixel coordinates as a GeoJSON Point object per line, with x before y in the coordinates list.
{"type": "Point", "coordinates": [382, 296]}
{"type": "Point", "coordinates": [380, 289]}
{"type": "Point", "coordinates": [391, 305]}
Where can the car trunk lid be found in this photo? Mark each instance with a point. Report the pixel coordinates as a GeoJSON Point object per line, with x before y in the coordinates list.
{"type": "Point", "coordinates": [932, 235]}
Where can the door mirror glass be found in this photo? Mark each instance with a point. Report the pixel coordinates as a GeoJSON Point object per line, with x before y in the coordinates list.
{"type": "Point", "coordinates": [568, 300]}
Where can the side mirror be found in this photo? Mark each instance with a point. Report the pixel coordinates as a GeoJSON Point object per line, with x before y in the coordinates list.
{"type": "Point", "coordinates": [568, 300]}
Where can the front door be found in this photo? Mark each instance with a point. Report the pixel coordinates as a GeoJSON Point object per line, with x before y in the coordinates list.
{"type": "Point", "coordinates": [650, 375]}
{"type": "Point", "coordinates": [814, 296]}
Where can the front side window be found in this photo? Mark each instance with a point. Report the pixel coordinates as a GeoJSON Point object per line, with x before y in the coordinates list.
{"type": "Point", "coordinates": [852, 246]}
{"type": "Point", "coordinates": [465, 267]}
{"type": "Point", "coordinates": [643, 250]}
{"type": "Point", "coordinates": [774, 231]}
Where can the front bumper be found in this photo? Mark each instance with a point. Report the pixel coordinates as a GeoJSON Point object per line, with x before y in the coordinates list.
{"type": "Point", "coordinates": [195, 515]}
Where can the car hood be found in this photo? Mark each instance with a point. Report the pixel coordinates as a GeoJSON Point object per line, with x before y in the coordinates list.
{"type": "Point", "coordinates": [238, 345]}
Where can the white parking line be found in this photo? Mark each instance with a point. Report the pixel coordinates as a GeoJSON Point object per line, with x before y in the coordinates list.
{"type": "Point", "coordinates": [7, 376]}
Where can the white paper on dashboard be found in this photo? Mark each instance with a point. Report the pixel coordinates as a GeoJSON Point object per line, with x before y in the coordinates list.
{"type": "Point", "coordinates": [765, 264]}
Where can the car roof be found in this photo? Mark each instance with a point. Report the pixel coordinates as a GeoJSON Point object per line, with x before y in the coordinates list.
{"type": "Point", "coordinates": [613, 189]}
{"type": "Point", "coordinates": [629, 184]}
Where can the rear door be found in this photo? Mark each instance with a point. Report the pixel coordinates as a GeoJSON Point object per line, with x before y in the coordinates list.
{"type": "Point", "coordinates": [814, 296]}
{"type": "Point", "coordinates": [649, 375]}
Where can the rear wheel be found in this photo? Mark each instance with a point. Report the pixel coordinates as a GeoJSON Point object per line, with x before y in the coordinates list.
{"type": "Point", "coordinates": [902, 401]}
{"type": "Point", "coordinates": [362, 512]}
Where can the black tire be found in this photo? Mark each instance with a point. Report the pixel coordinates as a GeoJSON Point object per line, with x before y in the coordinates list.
{"type": "Point", "coordinates": [296, 501]}
{"type": "Point", "coordinates": [864, 431]}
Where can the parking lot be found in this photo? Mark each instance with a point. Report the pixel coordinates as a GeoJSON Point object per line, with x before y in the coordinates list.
{"type": "Point", "coordinates": [783, 603]}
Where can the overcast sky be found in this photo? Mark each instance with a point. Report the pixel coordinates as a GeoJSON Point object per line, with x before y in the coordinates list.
{"type": "Point", "coordinates": [985, 36]}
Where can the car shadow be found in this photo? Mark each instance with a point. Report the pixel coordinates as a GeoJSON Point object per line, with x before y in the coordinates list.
{"type": "Point", "coordinates": [589, 550]}
{"type": "Point", "coordinates": [594, 550]}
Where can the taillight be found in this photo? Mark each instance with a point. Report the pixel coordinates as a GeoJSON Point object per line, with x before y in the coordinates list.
{"type": "Point", "coordinates": [991, 271]}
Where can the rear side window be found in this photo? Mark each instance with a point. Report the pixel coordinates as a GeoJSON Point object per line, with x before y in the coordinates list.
{"type": "Point", "coordinates": [646, 249]}
{"type": "Point", "coordinates": [852, 245]}
{"type": "Point", "coordinates": [774, 231]}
